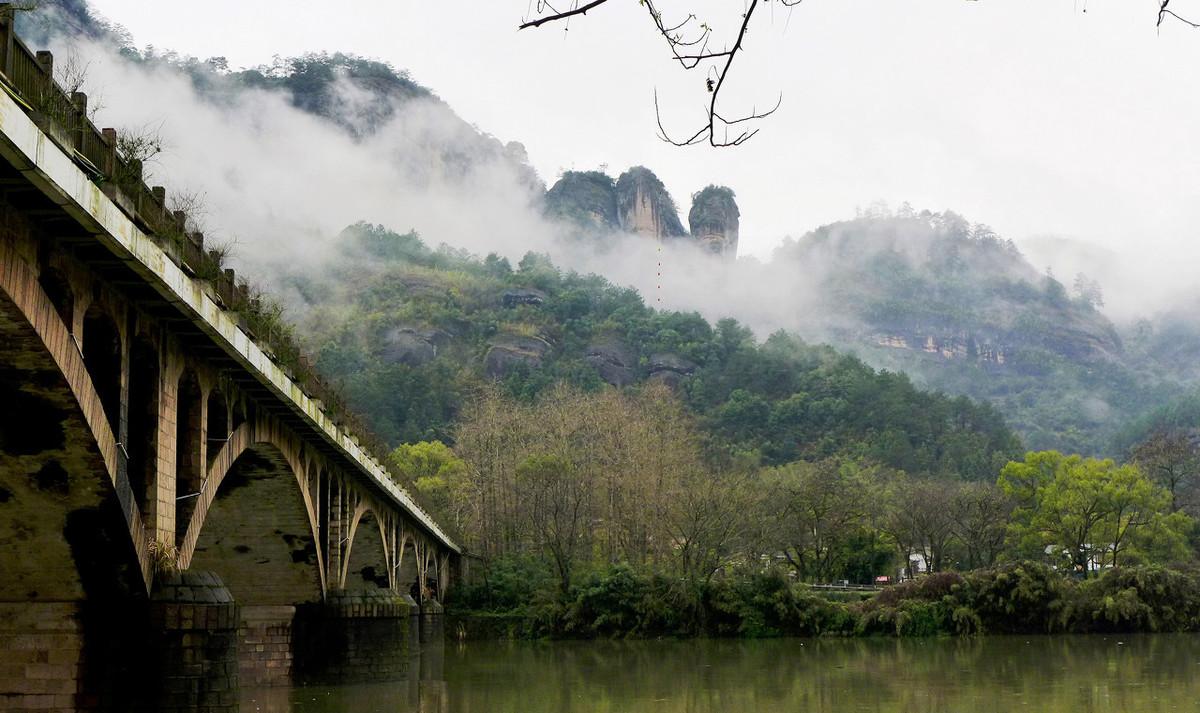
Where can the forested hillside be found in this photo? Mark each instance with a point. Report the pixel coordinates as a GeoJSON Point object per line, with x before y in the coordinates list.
{"type": "Point", "coordinates": [411, 332]}
{"type": "Point", "coordinates": [961, 310]}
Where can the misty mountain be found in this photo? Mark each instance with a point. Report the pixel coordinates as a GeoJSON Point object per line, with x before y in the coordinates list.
{"type": "Point", "coordinates": [963, 311]}
{"type": "Point", "coordinates": [949, 303]}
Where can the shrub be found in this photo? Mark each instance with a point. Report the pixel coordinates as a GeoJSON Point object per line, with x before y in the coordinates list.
{"type": "Point", "coordinates": [1021, 597]}
{"type": "Point", "coordinates": [1135, 599]}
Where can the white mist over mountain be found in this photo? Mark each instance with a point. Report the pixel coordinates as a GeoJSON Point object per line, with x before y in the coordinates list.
{"type": "Point", "coordinates": [281, 182]}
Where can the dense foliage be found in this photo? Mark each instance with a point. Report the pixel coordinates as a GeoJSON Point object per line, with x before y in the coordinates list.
{"type": "Point", "coordinates": [1017, 598]}
{"type": "Point", "coordinates": [411, 332]}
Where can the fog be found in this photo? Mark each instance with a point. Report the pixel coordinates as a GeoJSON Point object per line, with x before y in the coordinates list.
{"type": "Point", "coordinates": [1039, 117]}
{"type": "Point", "coordinates": [278, 184]}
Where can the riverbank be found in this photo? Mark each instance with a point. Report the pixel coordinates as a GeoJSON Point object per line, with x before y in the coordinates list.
{"type": "Point", "coordinates": [1018, 598]}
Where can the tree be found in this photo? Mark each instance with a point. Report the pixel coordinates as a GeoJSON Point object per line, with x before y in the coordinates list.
{"type": "Point", "coordinates": [920, 519]}
{"type": "Point", "coordinates": [1171, 457]}
{"type": "Point", "coordinates": [439, 475]}
{"type": "Point", "coordinates": [981, 513]}
{"type": "Point", "coordinates": [558, 509]}
{"type": "Point", "coordinates": [706, 520]}
{"type": "Point", "coordinates": [816, 509]}
{"type": "Point", "coordinates": [1062, 503]}
{"type": "Point", "coordinates": [1094, 511]}
{"type": "Point", "coordinates": [1088, 291]}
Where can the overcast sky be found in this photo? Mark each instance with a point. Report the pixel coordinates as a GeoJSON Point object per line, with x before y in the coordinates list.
{"type": "Point", "coordinates": [1035, 116]}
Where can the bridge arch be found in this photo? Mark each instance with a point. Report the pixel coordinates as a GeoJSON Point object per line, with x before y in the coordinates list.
{"type": "Point", "coordinates": [58, 290]}
{"type": "Point", "coordinates": [189, 447]}
{"type": "Point", "coordinates": [142, 413]}
{"type": "Point", "coordinates": [256, 508]}
{"type": "Point", "coordinates": [368, 559]}
{"type": "Point", "coordinates": [78, 473]}
{"type": "Point", "coordinates": [101, 345]}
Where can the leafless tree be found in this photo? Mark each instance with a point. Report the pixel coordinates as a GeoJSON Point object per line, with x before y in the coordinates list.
{"type": "Point", "coordinates": [981, 513]}
{"type": "Point", "coordinates": [1164, 12]}
{"type": "Point", "coordinates": [688, 40]}
{"type": "Point", "coordinates": [1172, 458]}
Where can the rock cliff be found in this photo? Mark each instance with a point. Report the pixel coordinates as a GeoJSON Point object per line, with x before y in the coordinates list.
{"type": "Point", "coordinates": [714, 220]}
{"type": "Point", "coordinates": [639, 203]}
{"type": "Point", "coordinates": [645, 207]}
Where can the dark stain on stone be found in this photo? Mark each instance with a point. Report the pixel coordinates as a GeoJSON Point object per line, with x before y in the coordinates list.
{"type": "Point", "coordinates": [52, 478]}
{"type": "Point", "coordinates": [29, 424]}
{"type": "Point", "coordinates": [241, 549]}
{"type": "Point", "coordinates": [304, 551]}
{"type": "Point", "coordinates": [250, 466]}
{"type": "Point", "coordinates": [5, 495]}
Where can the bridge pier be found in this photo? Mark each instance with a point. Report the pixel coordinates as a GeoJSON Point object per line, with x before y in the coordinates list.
{"type": "Point", "coordinates": [265, 654]}
{"type": "Point", "coordinates": [353, 637]}
{"type": "Point", "coordinates": [194, 624]}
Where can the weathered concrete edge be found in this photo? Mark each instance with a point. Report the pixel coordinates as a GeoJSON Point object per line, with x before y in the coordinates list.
{"type": "Point", "coordinates": [46, 165]}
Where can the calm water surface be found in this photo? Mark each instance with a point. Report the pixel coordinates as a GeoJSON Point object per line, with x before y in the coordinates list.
{"type": "Point", "coordinates": [1135, 674]}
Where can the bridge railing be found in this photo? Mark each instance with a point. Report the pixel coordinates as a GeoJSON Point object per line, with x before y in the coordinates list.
{"type": "Point", "coordinates": [28, 77]}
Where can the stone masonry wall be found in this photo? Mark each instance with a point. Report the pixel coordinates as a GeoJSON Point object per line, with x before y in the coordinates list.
{"type": "Point", "coordinates": [196, 624]}
{"type": "Point", "coordinates": [361, 636]}
{"type": "Point", "coordinates": [42, 647]}
{"type": "Point", "coordinates": [265, 646]}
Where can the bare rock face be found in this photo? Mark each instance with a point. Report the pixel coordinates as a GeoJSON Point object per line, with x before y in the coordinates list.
{"type": "Point", "coordinates": [510, 351]}
{"type": "Point", "coordinates": [714, 221]}
{"type": "Point", "coordinates": [613, 361]}
{"type": "Point", "coordinates": [644, 207]}
{"type": "Point", "coordinates": [670, 369]}
{"type": "Point", "coordinates": [412, 345]}
{"type": "Point", "coordinates": [672, 362]}
{"type": "Point", "coordinates": [524, 296]}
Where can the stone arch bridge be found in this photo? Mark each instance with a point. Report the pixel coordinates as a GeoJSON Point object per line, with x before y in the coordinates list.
{"type": "Point", "coordinates": [171, 499]}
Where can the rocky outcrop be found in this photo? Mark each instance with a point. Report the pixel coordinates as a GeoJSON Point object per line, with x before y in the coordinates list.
{"type": "Point", "coordinates": [511, 351]}
{"type": "Point", "coordinates": [639, 203]}
{"type": "Point", "coordinates": [613, 361]}
{"type": "Point", "coordinates": [413, 346]}
{"type": "Point", "coordinates": [986, 350]}
{"type": "Point", "coordinates": [714, 221]}
{"type": "Point", "coordinates": [644, 207]}
{"type": "Point", "coordinates": [524, 296]}
{"type": "Point", "coordinates": [587, 198]}
{"type": "Point", "coordinates": [670, 369]}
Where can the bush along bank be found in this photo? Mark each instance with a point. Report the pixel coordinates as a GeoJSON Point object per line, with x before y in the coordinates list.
{"type": "Point", "coordinates": [1017, 598]}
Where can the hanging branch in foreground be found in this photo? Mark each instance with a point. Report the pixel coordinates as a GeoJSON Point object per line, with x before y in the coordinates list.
{"type": "Point", "coordinates": [688, 41]}
{"type": "Point", "coordinates": [690, 51]}
{"type": "Point", "coordinates": [1164, 13]}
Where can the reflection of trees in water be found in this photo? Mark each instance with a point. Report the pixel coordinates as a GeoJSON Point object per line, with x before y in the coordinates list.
{"type": "Point", "coordinates": [1095, 673]}
{"type": "Point", "coordinates": [1048, 674]}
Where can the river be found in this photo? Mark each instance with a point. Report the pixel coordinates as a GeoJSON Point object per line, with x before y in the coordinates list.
{"type": "Point", "coordinates": [1129, 674]}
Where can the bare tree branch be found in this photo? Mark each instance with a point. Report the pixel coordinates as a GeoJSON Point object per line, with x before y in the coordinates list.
{"type": "Point", "coordinates": [556, 16]}
{"type": "Point", "coordinates": [688, 40]}
{"type": "Point", "coordinates": [693, 51]}
{"type": "Point", "coordinates": [1163, 13]}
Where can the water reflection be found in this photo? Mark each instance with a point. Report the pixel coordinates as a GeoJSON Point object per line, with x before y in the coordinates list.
{"type": "Point", "coordinates": [1135, 674]}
